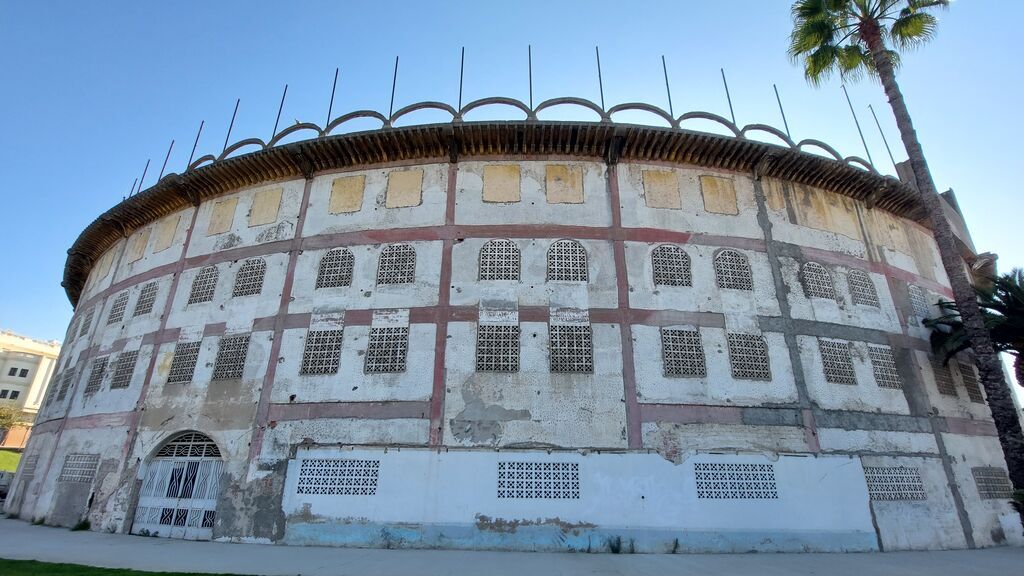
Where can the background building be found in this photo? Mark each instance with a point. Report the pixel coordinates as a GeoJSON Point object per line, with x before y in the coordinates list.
{"type": "Point", "coordinates": [26, 366]}
{"type": "Point", "coordinates": [526, 335]}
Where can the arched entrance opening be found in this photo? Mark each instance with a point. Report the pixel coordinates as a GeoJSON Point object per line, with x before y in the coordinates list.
{"type": "Point", "coordinates": [179, 490]}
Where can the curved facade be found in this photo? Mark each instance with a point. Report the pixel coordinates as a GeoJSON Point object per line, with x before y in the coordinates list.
{"type": "Point", "coordinates": [529, 335]}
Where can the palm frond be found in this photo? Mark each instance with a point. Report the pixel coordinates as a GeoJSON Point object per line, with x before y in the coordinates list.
{"type": "Point", "coordinates": [912, 30]}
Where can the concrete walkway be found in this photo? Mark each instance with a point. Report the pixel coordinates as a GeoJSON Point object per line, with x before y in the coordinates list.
{"type": "Point", "coordinates": [23, 541]}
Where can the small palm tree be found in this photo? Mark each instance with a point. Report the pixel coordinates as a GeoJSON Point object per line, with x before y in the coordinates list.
{"type": "Point", "coordinates": [858, 37]}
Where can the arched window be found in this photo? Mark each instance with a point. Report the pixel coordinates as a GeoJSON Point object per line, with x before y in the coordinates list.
{"type": "Point", "coordinates": [918, 301]}
{"type": "Point", "coordinates": [567, 262]}
{"type": "Point", "coordinates": [499, 260]}
{"type": "Point", "coordinates": [397, 265]}
{"type": "Point", "coordinates": [117, 308]}
{"type": "Point", "coordinates": [817, 281]}
{"type": "Point", "coordinates": [671, 266]}
{"type": "Point", "coordinates": [204, 285]}
{"type": "Point", "coordinates": [189, 445]}
{"type": "Point", "coordinates": [335, 269]}
{"type": "Point", "coordinates": [249, 280]}
{"type": "Point", "coordinates": [732, 270]}
{"type": "Point", "coordinates": [862, 289]}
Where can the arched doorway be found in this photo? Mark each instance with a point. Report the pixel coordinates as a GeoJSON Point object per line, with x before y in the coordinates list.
{"type": "Point", "coordinates": [179, 493]}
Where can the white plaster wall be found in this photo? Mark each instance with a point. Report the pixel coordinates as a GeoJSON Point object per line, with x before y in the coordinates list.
{"type": "Point", "coordinates": [866, 396]}
{"type": "Point", "coordinates": [844, 311]}
{"type": "Point", "coordinates": [994, 522]}
{"type": "Point", "coordinates": [133, 326]}
{"type": "Point", "coordinates": [168, 255]}
{"type": "Point", "coordinates": [351, 384]}
{"type": "Point", "coordinates": [365, 293]}
{"type": "Point", "coordinates": [880, 441]}
{"type": "Point", "coordinates": [32, 502]}
{"type": "Point", "coordinates": [236, 311]}
{"type": "Point", "coordinates": [533, 289]}
{"type": "Point", "coordinates": [534, 406]}
{"type": "Point", "coordinates": [201, 388]}
{"type": "Point", "coordinates": [533, 207]}
{"type": "Point", "coordinates": [241, 234]}
{"type": "Point", "coordinates": [374, 215]}
{"type": "Point", "coordinates": [718, 387]}
{"type": "Point", "coordinates": [96, 283]}
{"type": "Point", "coordinates": [675, 441]}
{"type": "Point", "coordinates": [279, 439]}
{"type": "Point", "coordinates": [107, 400]}
{"type": "Point", "coordinates": [959, 406]}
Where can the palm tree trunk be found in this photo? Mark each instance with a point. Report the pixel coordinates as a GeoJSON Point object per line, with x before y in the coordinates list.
{"type": "Point", "coordinates": [1004, 413]}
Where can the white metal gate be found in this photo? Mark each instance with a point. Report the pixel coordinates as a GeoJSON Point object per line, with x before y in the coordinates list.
{"type": "Point", "coordinates": [179, 493]}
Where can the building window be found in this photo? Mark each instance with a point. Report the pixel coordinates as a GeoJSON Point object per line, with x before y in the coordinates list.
{"type": "Point", "coordinates": [671, 266]}
{"type": "Point", "coordinates": [4, 393]}
{"type": "Point", "coordinates": [894, 483]}
{"type": "Point", "coordinates": [970, 378]}
{"type": "Point", "coordinates": [147, 296]}
{"type": "Point", "coordinates": [12, 372]}
{"type": "Point", "coordinates": [335, 269]}
{"type": "Point", "coordinates": [993, 483]}
{"type": "Point", "coordinates": [249, 280]}
{"type": "Point", "coordinates": [918, 301]}
{"type": "Point", "coordinates": [732, 270]}
{"type": "Point", "coordinates": [117, 308]}
{"type": "Point", "coordinates": [15, 394]}
{"type": "Point", "coordinates": [65, 383]}
{"type": "Point", "coordinates": [883, 364]}
{"type": "Point", "coordinates": [497, 348]}
{"type": "Point", "coordinates": [397, 265]}
{"type": "Point", "coordinates": [817, 282]}
{"type": "Point", "coordinates": [322, 353]}
{"type": "Point", "coordinates": [79, 468]}
{"type": "Point", "coordinates": [682, 353]}
{"type": "Point", "coordinates": [183, 366]}
{"type": "Point", "coordinates": [99, 368]}
{"type": "Point", "coordinates": [203, 286]}
{"type": "Point", "coordinates": [862, 289]}
{"type": "Point", "coordinates": [721, 481]}
{"type": "Point", "coordinates": [837, 362]}
{"type": "Point", "coordinates": [567, 262]}
{"type": "Point", "coordinates": [748, 357]}
{"type": "Point", "coordinates": [231, 353]}
{"type": "Point", "coordinates": [23, 373]}
{"type": "Point", "coordinates": [943, 377]}
{"type": "Point", "coordinates": [539, 480]}
{"type": "Point", "coordinates": [338, 477]}
{"type": "Point", "coordinates": [499, 260]}
{"type": "Point", "coordinates": [86, 323]}
{"type": "Point", "coordinates": [387, 350]}
{"type": "Point", "coordinates": [571, 349]}
{"type": "Point", "coordinates": [123, 369]}
{"type": "Point", "coordinates": [189, 444]}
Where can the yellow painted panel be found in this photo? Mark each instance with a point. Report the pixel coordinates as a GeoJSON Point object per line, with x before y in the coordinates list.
{"type": "Point", "coordinates": [347, 194]}
{"type": "Point", "coordinates": [774, 194]}
{"type": "Point", "coordinates": [222, 215]}
{"type": "Point", "coordinates": [501, 183]}
{"type": "Point", "coordinates": [923, 249]}
{"type": "Point", "coordinates": [137, 245]}
{"type": "Point", "coordinates": [405, 188]}
{"type": "Point", "coordinates": [719, 194]}
{"type": "Point", "coordinates": [825, 211]}
{"type": "Point", "coordinates": [661, 189]}
{"type": "Point", "coordinates": [265, 206]}
{"type": "Point", "coordinates": [165, 231]}
{"type": "Point", "coordinates": [564, 184]}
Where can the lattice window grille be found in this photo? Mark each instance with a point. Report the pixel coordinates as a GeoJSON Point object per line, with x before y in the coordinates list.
{"type": "Point", "coordinates": [231, 353]}
{"type": "Point", "coordinates": [732, 270]}
{"type": "Point", "coordinates": [720, 481]}
{"type": "Point", "coordinates": [894, 483]}
{"type": "Point", "coordinates": [387, 350]}
{"type": "Point", "coordinates": [335, 269]}
{"type": "Point", "coordinates": [190, 517]}
{"type": "Point", "coordinates": [682, 353]}
{"type": "Point", "coordinates": [124, 367]}
{"type": "Point", "coordinates": [497, 348]}
{"type": "Point", "coordinates": [883, 364]}
{"type": "Point", "coordinates": [83, 329]}
{"type": "Point", "coordinates": [28, 469]}
{"type": "Point", "coordinates": [817, 281]}
{"type": "Point", "coordinates": [943, 377]}
{"type": "Point", "coordinates": [571, 349]}
{"type": "Point", "coordinates": [204, 285]}
{"type": "Point", "coordinates": [993, 483]}
{"type": "Point", "coordinates": [567, 262]}
{"type": "Point", "coordinates": [970, 378]}
{"type": "Point", "coordinates": [99, 369]}
{"type": "Point", "coordinates": [117, 308]}
{"type": "Point", "coordinates": [65, 383]}
{"type": "Point", "coordinates": [338, 477]}
{"type": "Point", "coordinates": [147, 297]}
{"type": "Point", "coordinates": [671, 266]}
{"type": "Point", "coordinates": [919, 302]}
{"type": "Point", "coordinates": [862, 289]}
{"type": "Point", "coordinates": [499, 260]}
{"type": "Point", "coordinates": [748, 357]}
{"type": "Point", "coordinates": [397, 265]}
{"type": "Point", "coordinates": [79, 468]}
{"type": "Point", "coordinates": [837, 362]}
{"type": "Point", "coordinates": [539, 480]}
{"type": "Point", "coordinates": [189, 445]}
{"type": "Point", "coordinates": [249, 280]}
{"type": "Point", "coordinates": [322, 353]}
{"type": "Point", "coordinates": [183, 365]}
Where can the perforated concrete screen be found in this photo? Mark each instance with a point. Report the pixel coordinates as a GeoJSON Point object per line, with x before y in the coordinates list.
{"type": "Point", "coordinates": [335, 269]}
{"type": "Point", "coordinates": [322, 352]}
{"type": "Point", "coordinates": [748, 357]}
{"type": "Point", "coordinates": [203, 285]}
{"type": "Point", "coordinates": [722, 481]}
{"type": "Point", "coordinates": [883, 364]}
{"type": "Point", "coordinates": [837, 362]}
{"type": "Point", "coordinates": [397, 265]}
{"type": "Point", "coordinates": [970, 379]}
{"type": "Point", "coordinates": [894, 483]}
{"type": "Point", "coordinates": [919, 302]}
{"type": "Point", "coordinates": [147, 297]}
{"type": "Point", "coordinates": [497, 348]}
{"type": "Point", "coordinates": [817, 281]}
{"type": "Point", "coordinates": [79, 468]}
{"type": "Point", "coordinates": [671, 266]}
{"type": "Point", "coordinates": [249, 280]}
{"type": "Point", "coordinates": [993, 482]}
{"type": "Point", "coordinates": [539, 480]}
{"type": "Point", "coordinates": [183, 365]}
{"type": "Point", "coordinates": [567, 262]}
{"type": "Point", "coordinates": [682, 353]}
{"type": "Point", "coordinates": [571, 349]}
{"type": "Point", "coordinates": [65, 383]}
{"type": "Point", "coordinates": [87, 323]}
{"type": "Point", "coordinates": [231, 353]}
{"type": "Point", "coordinates": [387, 350]}
{"type": "Point", "coordinates": [499, 260]}
{"type": "Point", "coordinates": [124, 367]}
{"type": "Point", "coordinates": [732, 271]}
{"type": "Point", "coordinates": [117, 308]}
{"type": "Point", "coordinates": [99, 369]}
{"type": "Point", "coordinates": [338, 477]}
{"type": "Point", "coordinates": [943, 377]}
{"type": "Point", "coordinates": [862, 289]}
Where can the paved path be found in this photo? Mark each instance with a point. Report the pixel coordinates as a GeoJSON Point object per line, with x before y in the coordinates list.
{"type": "Point", "coordinates": [23, 541]}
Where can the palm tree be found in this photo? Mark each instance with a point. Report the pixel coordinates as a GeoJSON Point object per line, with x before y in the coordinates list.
{"type": "Point", "coordinates": [854, 37]}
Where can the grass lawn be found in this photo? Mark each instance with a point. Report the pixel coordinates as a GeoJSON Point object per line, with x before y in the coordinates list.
{"type": "Point", "coordinates": [9, 460]}
{"type": "Point", "coordinates": [33, 568]}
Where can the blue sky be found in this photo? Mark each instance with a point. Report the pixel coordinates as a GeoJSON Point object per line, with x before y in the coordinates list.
{"type": "Point", "coordinates": [93, 89]}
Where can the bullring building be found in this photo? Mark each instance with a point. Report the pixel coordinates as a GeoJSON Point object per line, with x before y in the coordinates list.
{"type": "Point", "coordinates": [529, 335]}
